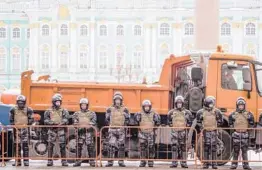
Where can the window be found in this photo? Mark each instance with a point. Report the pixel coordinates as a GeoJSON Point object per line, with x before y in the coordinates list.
{"type": "Point", "coordinates": [258, 69]}
{"type": "Point", "coordinates": [164, 29]}
{"type": "Point", "coordinates": [83, 56]}
{"type": "Point", "coordinates": [120, 56]}
{"type": "Point", "coordinates": [164, 53]}
{"type": "Point", "coordinates": [250, 29]}
{"type": "Point", "coordinates": [120, 30]}
{"type": "Point", "coordinates": [251, 49]}
{"type": "Point", "coordinates": [45, 30]}
{"type": "Point", "coordinates": [83, 30]}
{"type": "Point", "coordinates": [103, 30]}
{"type": "Point", "coordinates": [137, 57]}
{"type": "Point", "coordinates": [63, 57]}
{"type": "Point", "coordinates": [232, 77]}
{"type": "Point", "coordinates": [2, 32]}
{"type": "Point", "coordinates": [16, 33]}
{"type": "Point", "coordinates": [2, 59]}
{"type": "Point", "coordinates": [137, 30]}
{"type": "Point", "coordinates": [45, 52]}
{"type": "Point", "coordinates": [225, 29]}
{"type": "Point", "coordinates": [28, 33]}
{"type": "Point", "coordinates": [26, 53]}
{"type": "Point", "coordinates": [189, 29]}
{"type": "Point", "coordinates": [64, 29]}
{"type": "Point", "coordinates": [16, 58]}
{"type": "Point", "coordinates": [103, 57]}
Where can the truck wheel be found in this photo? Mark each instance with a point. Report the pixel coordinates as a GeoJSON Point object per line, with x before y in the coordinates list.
{"type": "Point", "coordinates": [224, 149]}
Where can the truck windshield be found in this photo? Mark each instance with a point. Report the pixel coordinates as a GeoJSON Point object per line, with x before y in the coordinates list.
{"type": "Point", "coordinates": [258, 69]}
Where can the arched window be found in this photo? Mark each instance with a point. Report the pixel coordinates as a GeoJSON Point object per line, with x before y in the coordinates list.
{"type": "Point", "coordinates": [16, 58]}
{"type": "Point", "coordinates": [103, 30]}
{"type": "Point", "coordinates": [120, 53]}
{"type": "Point", "coordinates": [137, 30]}
{"type": "Point", "coordinates": [164, 53]}
{"type": "Point", "coordinates": [16, 33]}
{"type": "Point", "coordinates": [225, 29]}
{"type": "Point", "coordinates": [2, 32]}
{"type": "Point", "coordinates": [103, 57]}
{"type": "Point", "coordinates": [64, 57]}
{"type": "Point", "coordinates": [189, 29]}
{"type": "Point", "coordinates": [164, 29]}
{"type": "Point", "coordinates": [45, 57]}
{"type": "Point", "coordinates": [3, 59]}
{"type": "Point", "coordinates": [83, 56]}
{"type": "Point", "coordinates": [26, 54]}
{"type": "Point", "coordinates": [120, 30]}
{"type": "Point", "coordinates": [83, 30]}
{"type": "Point", "coordinates": [45, 30]}
{"type": "Point", "coordinates": [64, 29]}
{"type": "Point", "coordinates": [250, 29]}
{"type": "Point", "coordinates": [137, 57]}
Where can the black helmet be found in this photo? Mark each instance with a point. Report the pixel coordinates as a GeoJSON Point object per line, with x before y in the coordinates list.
{"type": "Point", "coordinates": [146, 103]}
{"type": "Point", "coordinates": [209, 102]}
{"type": "Point", "coordinates": [179, 99]}
{"type": "Point", "coordinates": [84, 101]}
{"type": "Point", "coordinates": [21, 101]}
{"type": "Point", "coordinates": [241, 101]}
{"type": "Point", "coordinates": [118, 95]}
{"type": "Point", "coordinates": [56, 98]}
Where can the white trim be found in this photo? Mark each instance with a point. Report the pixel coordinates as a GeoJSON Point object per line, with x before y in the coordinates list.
{"type": "Point", "coordinates": [59, 57]}
{"type": "Point", "coordinates": [6, 33]}
{"type": "Point", "coordinates": [256, 29]}
{"type": "Point", "coordinates": [124, 56]}
{"type": "Point", "coordinates": [68, 29]}
{"type": "Point", "coordinates": [12, 35]}
{"type": "Point", "coordinates": [6, 65]}
{"type": "Point", "coordinates": [88, 55]}
{"type": "Point", "coordinates": [41, 57]}
{"type": "Point", "coordinates": [159, 29]}
{"type": "Point", "coordinates": [98, 30]}
{"type": "Point", "coordinates": [98, 51]}
{"type": "Point", "coordinates": [49, 30]}
{"type": "Point", "coordinates": [133, 30]}
{"type": "Point", "coordinates": [12, 64]}
{"type": "Point", "coordinates": [79, 30]}
{"type": "Point", "coordinates": [220, 30]}
{"type": "Point", "coordinates": [116, 27]}
{"type": "Point", "coordinates": [25, 57]}
{"type": "Point", "coordinates": [27, 38]}
{"type": "Point", "coordinates": [184, 30]}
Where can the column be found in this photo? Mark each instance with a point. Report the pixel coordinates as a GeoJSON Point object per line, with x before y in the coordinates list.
{"type": "Point", "coordinates": [206, 24]}
{"type": "Point", "coordinates": [154, 51]}
{"type": "Point", "coordinates": [259, 46]}
{"type": "Point", "coordinates": [177, 38]}
{"type": "Point", "coordinates": [54, 54]}
{"type": "Point", "coordinates": [73, 57]}
{"type": "Point", "coordinates": [237, 34]}
{"type": "Point", "coordinates": [147, 44]}
{"type": "Point", "coordinates": [92, 48]}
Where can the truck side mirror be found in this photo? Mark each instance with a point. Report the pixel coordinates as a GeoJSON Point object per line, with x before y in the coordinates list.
{"type": "Point", "coordinates": [246, 74]}
{"type": "Point", "coordinates": [247, 86]}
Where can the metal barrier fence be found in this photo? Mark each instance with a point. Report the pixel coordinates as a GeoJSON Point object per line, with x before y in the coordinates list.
{"type": "Point", "coordinates": [39, 137]}
{"type": "Point", "coordinates": [232, 138]}
{"type": "Point", "coordinates": [162, 136]}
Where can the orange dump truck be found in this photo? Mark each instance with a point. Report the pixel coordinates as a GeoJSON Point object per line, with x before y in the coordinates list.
{"type": "Point", "coordinates": [224, 76]}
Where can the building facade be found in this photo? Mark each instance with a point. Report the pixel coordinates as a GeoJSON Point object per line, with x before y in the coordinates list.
{"type": "Point", "coordinates": [115, 40]}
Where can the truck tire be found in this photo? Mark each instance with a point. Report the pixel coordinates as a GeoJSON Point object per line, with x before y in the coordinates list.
{"type": "Point", "coordinates": [224, 148]}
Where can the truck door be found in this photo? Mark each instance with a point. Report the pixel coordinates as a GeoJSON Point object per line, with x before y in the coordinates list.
{"type": "Point", "coordinates": [233, 83]}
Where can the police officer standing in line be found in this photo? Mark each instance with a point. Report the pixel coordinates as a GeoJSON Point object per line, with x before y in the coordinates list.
{"type": "Point", "coordinates": [240, 120]}
{"type": "Point", "coordinates": [147, 120]}
{"type": "Point", "coordinates": [21, 115]}
{"type": "Point", "coordinates": [208, 119]}
{"type": "Point", "coordinates": [117, 115]}
{"type": "Point", "coordinates": [85, 117]}
{"type": "Point", "coordinates": [179, 118]}
{"type": "Point", "coordinates": [54, 116]}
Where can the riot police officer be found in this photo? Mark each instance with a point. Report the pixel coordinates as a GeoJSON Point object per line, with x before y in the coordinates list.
{"type": "Point", "coordinates": [179, 118]}
{"type": "Point", "coordinates": [21, 115]}
{"type": "Point", "coordinates": [208, 119]}
{"type": "Point", "coordinates": [147, 120]}
{"type": "Point", "coordinates": [240, 120]}
{"type": "Point", "coordinates": [85, 117]}
{"type": "Point", "coordinates": [117, 115]}
{"type": "Point", "coordinates": [54, 116]}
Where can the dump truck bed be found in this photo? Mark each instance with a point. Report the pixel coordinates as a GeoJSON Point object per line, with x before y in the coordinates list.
{"type": "Point", "coordinates": [100, 95]}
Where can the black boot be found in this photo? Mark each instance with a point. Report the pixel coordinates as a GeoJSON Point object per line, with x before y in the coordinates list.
{"type": "Point", "coordinates": [183, 156]}
{"type": "Point", "coordinates": [111, 154]}
{"type": "Point", "coordinates": [235, 157]}
{"type": "Point", "coordinates": [17, 154]}
{"type": "Point", "coordinates": [246, 166]}
{"type": "Point", "coordinates": [233, 165]}
{"type": "Point", "coordinates": [50, 149]}
{"type": "Point", "coordinates": [205, 164]}
{"type": "Point", "coordinates": [79, 154]}
{"type": "Point", "coordinates": [214, 157]}
{"type": "Point", "coordinates": [143, 154]}
{"type": "Point", "coordinates": [142, 164]}
{"type": "Point", "coordinates": [245, 158]}
{"type": "Point", "coordinates": [151, 155]}
{"type": "Point", "coordinates": [91, 154]}
{"type": "Point", "coordinates": [26, 154]}
{"type": "Point", "coordinates": [121, 154]}
{"type": "Point", "coordinates": [63, 154]}
{"type": "Point", "coordinates": [150, 163]}
{"type": "Point", "coordinates": [174, 156]}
